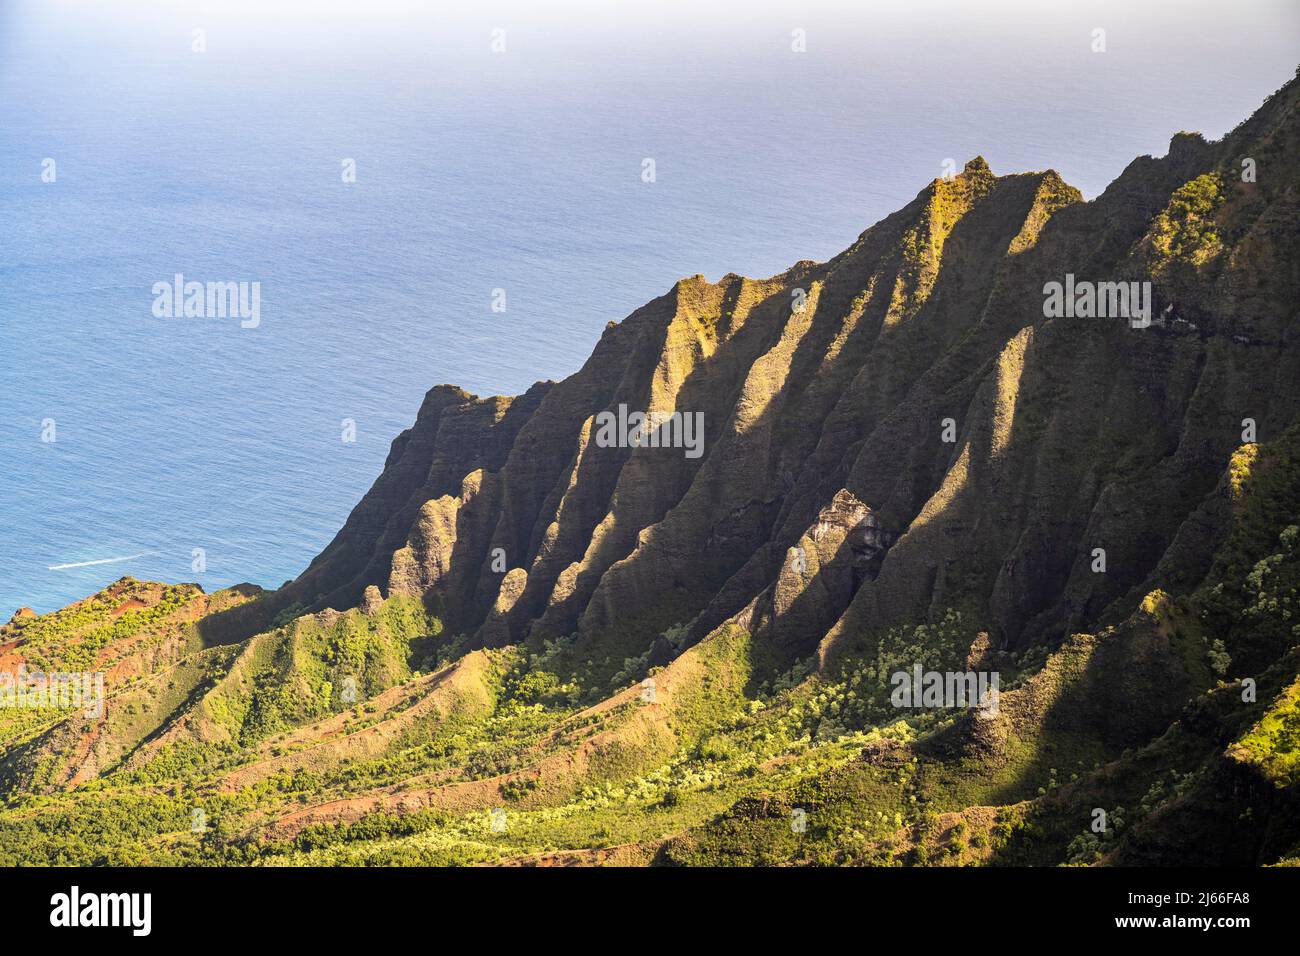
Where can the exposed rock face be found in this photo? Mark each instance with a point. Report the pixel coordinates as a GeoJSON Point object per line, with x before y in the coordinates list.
{"type": "Point", "coordinates": [843, 548]}
{"type": "Point", "coordinates": [495, 631]}
{"type": "Point", "coordinates": [905, 413]}
{"type": "Point", "coordinates": [860, 529]}
{"type": "Point", "coordinates": [371, 600]}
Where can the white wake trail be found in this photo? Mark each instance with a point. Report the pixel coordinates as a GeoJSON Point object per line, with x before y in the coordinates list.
{"type": "Point", "coordinates": [86, 564]}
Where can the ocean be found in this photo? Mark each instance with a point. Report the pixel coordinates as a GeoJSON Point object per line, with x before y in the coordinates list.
{"type": "Point", "coordinates": [502, 212]}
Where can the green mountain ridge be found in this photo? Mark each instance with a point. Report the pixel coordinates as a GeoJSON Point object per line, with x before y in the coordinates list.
{"type": "Point", "coordinates": [523, 647]}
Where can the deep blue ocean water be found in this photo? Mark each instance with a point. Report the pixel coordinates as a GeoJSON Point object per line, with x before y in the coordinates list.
{"type": "Point", "coordinates": [476, 170]}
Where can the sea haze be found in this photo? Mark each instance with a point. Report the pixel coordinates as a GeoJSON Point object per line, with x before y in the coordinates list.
{"type": "Point", "coordinates": [476, 170]}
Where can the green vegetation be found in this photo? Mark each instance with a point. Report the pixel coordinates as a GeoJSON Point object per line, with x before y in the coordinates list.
{"type": "Point", "coordinates": [372, 738]}
{"type": "Point", "coordinates": [1186, 229]}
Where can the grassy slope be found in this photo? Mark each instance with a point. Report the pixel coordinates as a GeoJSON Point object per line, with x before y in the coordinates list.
{"type": "Point", "coordinates": [710, 770]}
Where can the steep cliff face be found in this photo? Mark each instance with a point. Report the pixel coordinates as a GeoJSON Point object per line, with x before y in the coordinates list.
{"type": "Point", "coordinates": [916, 374]}
{"type": "Point", "coordinates": [1007, 430]}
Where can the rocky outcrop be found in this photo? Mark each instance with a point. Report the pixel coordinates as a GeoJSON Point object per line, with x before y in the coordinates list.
{"type": "Point", "coordinates": [906, 414]}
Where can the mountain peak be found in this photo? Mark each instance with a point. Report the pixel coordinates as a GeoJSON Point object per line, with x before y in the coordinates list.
{"type": "Point", "coordinates": [1184, 143]}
